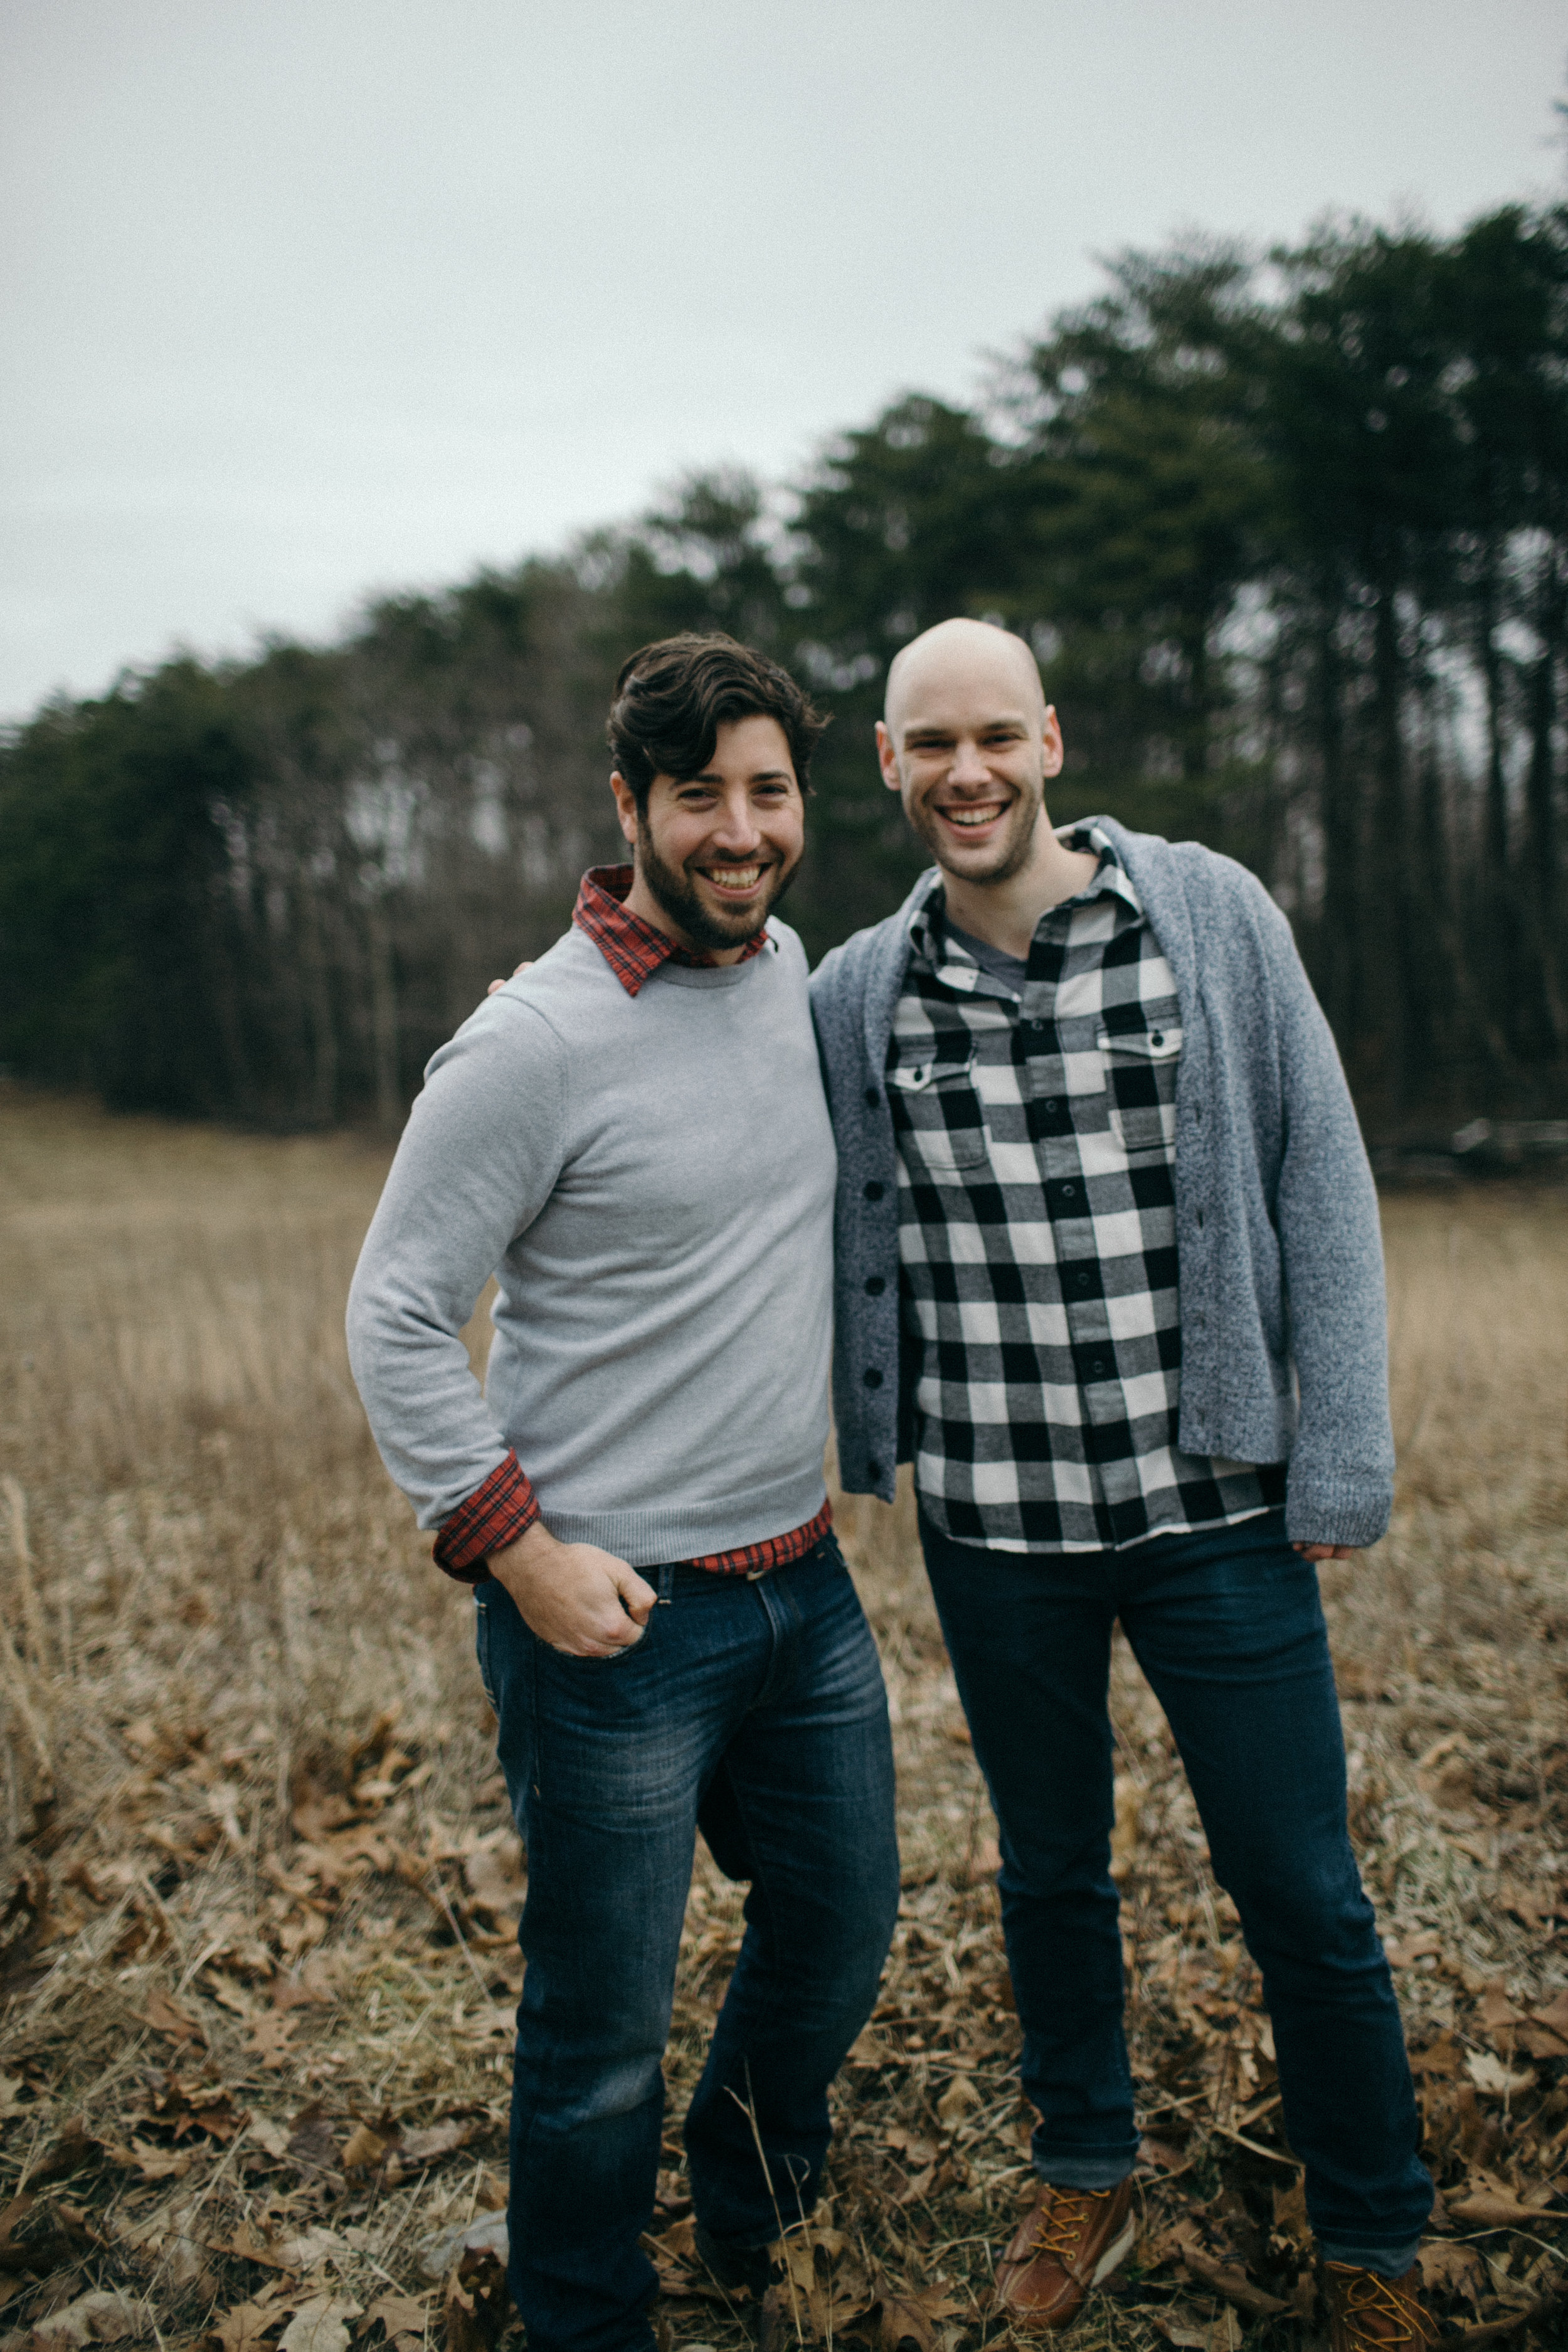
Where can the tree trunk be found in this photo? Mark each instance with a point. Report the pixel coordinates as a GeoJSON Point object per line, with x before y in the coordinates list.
{"type": "Point", "coordinates": [1543, 891]}
{"type": "Point", "coordinates": [1390, 936]}
{"type": "Point", "coordinates": [384, 1018]}
{"type": "Point", "coordinates": [318, 996]}
{"type": "Point", "coordinates": [1341, 930]}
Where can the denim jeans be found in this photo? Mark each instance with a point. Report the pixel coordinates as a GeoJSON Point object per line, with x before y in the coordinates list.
{"type": "Point", "coordinates": [754, 1710]}
{"type": "Point", "coordinates": [1228, 1629]}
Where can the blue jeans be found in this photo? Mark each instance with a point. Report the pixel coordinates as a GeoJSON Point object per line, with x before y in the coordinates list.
{"type": "Point", "coordinates": [1229, 1631]}
{"type": "Point", "coordinates": [755, 1711]}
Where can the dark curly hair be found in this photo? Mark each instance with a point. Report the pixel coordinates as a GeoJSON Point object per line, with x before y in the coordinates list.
{"type": "Point", "coordinates": [672, 698]}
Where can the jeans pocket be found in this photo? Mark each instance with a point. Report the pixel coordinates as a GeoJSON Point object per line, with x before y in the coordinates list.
{"type": "Point", "coordinates": [588, 1668]}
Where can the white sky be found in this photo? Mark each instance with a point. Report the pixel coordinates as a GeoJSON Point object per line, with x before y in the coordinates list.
{"type": "Point", "coordinates": [304, 298]}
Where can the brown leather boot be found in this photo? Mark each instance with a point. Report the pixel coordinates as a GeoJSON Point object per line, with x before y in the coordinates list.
{"type": "Point", "coordinates": [1368, 2313]}
{"type": "Point", "coordinates": [1072, 2241]}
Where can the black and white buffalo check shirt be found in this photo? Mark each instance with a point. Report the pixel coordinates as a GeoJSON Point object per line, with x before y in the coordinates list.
{"type": "Point", "coordinates": [1035, 1122]}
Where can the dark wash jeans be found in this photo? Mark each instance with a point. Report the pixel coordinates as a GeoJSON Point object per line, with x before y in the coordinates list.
{"type": "Point", "coordinates": [752, 1710]}
{"type": "Point", "coordinates": [1228, 1629]}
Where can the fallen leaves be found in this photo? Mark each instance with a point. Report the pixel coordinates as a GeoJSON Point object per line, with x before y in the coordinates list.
{"type": "Point", "coordinates": [1488, 2073]}
{"type": "Point", "coordinates": [102, 2317]}
{"type": "Point", "coordinates": [318, 2326]}
{"type": "Point", "coordinates": [182, 2104]}
{"type": "Point", "coordinates": [313, 2143]}
{"type": "Point", "coordinates": [246, 2328]}
{"type": "Point", "coordinates": [270, 2037]}
{"type": "Point", "coordinates": [386, 2148]}
{"type": "Point", "coordinates": [1452, 2271]}
{"type": "Point", "coordinates": [399, 2315]}
{"type": "Point", "coordinates": [1492, 2209]}
{"type": "Point", "coordinates": [24, 1924]}
{"type": "Point", "coordinates": [167, 2017]}
{"type": "Point", "coordinates": [40, 2235]}
{"type": "Point", "coordinates": [1222, 2278]}
{"type": "Point", "coordinates": [476, 2306]}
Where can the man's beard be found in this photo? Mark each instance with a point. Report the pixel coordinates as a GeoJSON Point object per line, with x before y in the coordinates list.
{"type": "Point", "coordinates": [675, 894]}
{"type": "Point", "coordinates": [1012, 856]}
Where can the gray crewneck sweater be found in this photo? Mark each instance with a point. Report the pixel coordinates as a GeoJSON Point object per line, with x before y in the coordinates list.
{"type": "Point", "coordinates": [650, 1179]}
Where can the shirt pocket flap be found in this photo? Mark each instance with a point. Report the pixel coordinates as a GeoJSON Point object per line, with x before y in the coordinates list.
{"type": "Point", "coordinates": [934, 1070]}
{"type": "Point", "coordinates": [1162, 1045]}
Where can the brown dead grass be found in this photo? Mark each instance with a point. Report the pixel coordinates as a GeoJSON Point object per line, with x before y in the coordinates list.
{"type": "Point", "coordinates": [256, 1966]}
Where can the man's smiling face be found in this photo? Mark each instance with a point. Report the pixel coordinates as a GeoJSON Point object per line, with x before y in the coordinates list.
{"type": "Point", "coordinates": [967, 744]}
{"type": "Point", "coordinates": [715, 851]}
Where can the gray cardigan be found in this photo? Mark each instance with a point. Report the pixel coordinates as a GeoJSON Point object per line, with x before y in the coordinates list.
{"type": "Point", "coordinates": [1284, 1327]}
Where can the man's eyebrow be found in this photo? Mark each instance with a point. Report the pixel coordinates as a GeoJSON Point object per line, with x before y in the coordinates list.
{"type": "Point", "coordinates": [924, 729]}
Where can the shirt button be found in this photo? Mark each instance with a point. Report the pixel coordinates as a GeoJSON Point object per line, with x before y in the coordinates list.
{"type": "Point", "coordinates": [1097, 1368]}
{"type": "Point", "coordinates": [873, 1191]}
{"type": "Point", "coordinates": [872, 1097]}
{"type": "Point", "coordinates": [875, 1286]}
{"type": "Point", "coordinates": [1050, 1105]}
{"type": "Point", "coordinates": [872, 1376]}
{"type": "Point", "coordinates": [1081, 1281]}
{"type": "Point", "coordinates": [1156, 1038]}
{"type": "Point", "coordinates": [1070, 1192]}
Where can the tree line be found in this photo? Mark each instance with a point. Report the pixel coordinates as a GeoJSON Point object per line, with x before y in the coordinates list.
{"type": "Point", "coordinates": [1289, 534]}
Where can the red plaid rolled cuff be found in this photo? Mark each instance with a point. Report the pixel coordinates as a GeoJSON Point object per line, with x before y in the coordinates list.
{"type": "Point", "coordinates": [495, 1515]}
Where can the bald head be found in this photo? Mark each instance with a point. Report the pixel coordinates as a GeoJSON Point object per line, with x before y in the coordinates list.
{"type": "Point", "coordinates": [966, 658]}
{"type": "Point", "coordinates": [967, 744]}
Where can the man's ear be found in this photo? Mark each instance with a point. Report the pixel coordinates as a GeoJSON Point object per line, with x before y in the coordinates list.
{"type": "Point", "coordinates": [625, 805]}
{"type": "Point", "coordinates": [1051, 736]}
{"type": "Point", "coordinates": [887, 759]}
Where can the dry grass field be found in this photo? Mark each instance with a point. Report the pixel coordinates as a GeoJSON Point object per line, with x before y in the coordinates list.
{"type": "Point", "coordinates": [257, 1958]}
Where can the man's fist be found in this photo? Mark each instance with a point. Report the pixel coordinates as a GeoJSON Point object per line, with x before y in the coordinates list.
{"type": "Point", "coordinates": [577, 1598]}
{"type": "Point", "coordinates": [1324, 1551]}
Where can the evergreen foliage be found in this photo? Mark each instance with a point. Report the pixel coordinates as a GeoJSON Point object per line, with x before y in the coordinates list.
{"type": "Point", "coordinates": [1290, 537]}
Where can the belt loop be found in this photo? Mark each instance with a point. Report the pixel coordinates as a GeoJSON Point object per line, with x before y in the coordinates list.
{"type": "Point", "coordinates": [666, 1583]}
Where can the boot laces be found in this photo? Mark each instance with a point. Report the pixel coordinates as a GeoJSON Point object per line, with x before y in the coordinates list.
{"type": "Point", "coordinates": [1376, 2311]}
{"type": "Point", "coordinates": [1063, 2215]}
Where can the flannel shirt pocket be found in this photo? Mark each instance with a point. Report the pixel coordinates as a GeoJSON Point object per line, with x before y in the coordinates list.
{"type": "Point", "coordinates": [939, 1111]}
{"type": "Point", "coordinates": [1140, 1081]}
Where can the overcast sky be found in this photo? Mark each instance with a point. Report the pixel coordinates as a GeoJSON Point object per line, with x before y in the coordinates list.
{"type": "Point", "coordinates": [300, 299]}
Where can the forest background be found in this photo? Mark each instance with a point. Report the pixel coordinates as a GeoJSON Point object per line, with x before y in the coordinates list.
{"type": "Point", "coordinates": [1289, 534]}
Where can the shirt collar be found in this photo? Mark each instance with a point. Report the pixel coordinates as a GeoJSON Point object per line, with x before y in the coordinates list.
{"type": "Point", "coordinates": [931, 938]}
{"type": "Point", "coordinates": [633, 948]}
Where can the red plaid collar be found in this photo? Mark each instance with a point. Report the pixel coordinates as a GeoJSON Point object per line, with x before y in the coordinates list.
{"type": "Point", "coordinates": [633, 949]}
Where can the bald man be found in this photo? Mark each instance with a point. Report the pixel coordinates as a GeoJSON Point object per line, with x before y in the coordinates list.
{"type": "Point", "coordinates": [1109, 1271]}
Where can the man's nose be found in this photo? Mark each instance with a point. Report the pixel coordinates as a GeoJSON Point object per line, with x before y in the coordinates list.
{"type": "Point", "coordinates": [738, 828]}
{"type": "Point", "coordinates": [968, 764]}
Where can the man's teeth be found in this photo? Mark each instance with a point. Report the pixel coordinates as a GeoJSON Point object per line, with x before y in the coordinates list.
{"type": "Point", "coordinates": [971, 816]}
{"type": "Point", "coordinates": [733, 877]}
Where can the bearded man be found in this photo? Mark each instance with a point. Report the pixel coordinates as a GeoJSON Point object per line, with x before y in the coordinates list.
{"type": "Point", "coordinates": [631, 1135]}
{"type": "Point", "coordinates": [1110, 1272]}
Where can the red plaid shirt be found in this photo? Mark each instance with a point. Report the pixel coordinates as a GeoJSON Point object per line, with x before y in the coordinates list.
{"type": "Point", "coordinates": [633, 948]}
{"type": "Point", "coordinates": [506, 1506]}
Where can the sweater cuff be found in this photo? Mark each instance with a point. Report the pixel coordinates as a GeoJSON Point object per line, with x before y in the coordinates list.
{"type": "Point", "coordinates": [494, 1515]}
{"type": "Point", "coordinates": [1337, 1510]}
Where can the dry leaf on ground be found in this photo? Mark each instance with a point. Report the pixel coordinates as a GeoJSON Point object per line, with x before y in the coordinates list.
{"type": "Point", "coordinates": [319, 2325]}
{"type": "Point", "coordinates": [246, 2328]}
